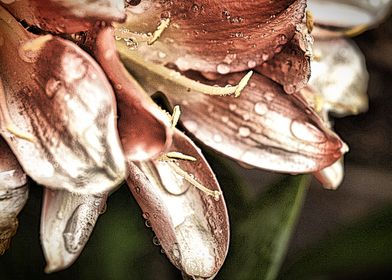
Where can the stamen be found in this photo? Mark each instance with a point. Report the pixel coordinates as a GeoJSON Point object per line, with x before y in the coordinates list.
{"type": "Point", "coordinates": [37, 43]}
{"type": "Point", "coordinates": [8, 123]}
{"type": "Point", "coordinates": [178, 155]}
{"type": "Point", "coordinates": [179, 79]}
{"type": "Point", "coordinates": [176, 116]}
{"type": "Point", "coordinates": [157, 33]}
{"type": "Point", "coordinates": [309, 21]}
{"type": "Point", "coordinates": [215, 194]}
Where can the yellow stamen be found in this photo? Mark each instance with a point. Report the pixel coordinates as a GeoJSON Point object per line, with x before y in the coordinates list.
{"type": "Point", "coordinates": [356, 30]}
{"type": "Point", "coordinates": [37, 43]}
{"type": "Point", "coordinates": [178, 155]}
{"type": "Point", "coordinates": [309, 21]}
{"type": "Point", "coordinates": [181, 80]}
{"type": "Point", "coordinates": [175, 116]}
{"type": "Point", "coordinates": [158, 32]}
{"type": "Point", "coordinates": [215, 194]}
{"type": "Point", "coordinates": [6, 118]}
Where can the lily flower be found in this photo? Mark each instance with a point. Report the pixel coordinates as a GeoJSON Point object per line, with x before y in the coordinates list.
{"type": "Point", "coordinates": [235, 69]}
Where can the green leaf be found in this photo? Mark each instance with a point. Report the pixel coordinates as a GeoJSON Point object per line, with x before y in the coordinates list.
{"type": "Point", "coordinates": [356, 249]}
{"type": "Point", "coordinates": [260, 240]}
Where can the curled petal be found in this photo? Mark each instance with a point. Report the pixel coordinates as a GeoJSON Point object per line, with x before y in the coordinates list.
{"type": "Point", "coordinates": [58, 115]}
{"type": "Point", "coordinates": [332, 176]}
{"type": "Point", "coordinates": [145, 130]}
{"type": "Point", "coordinates": [212, 36]}
{"type": "Point", "coordinates": [67, 221]}
{"type": "Point", "coordinates": [291, 67]}
{"type": "Point", "coordinates": [69, 16]}
{"type": "Point", "coordinates": [13, 194]}
{"type": "Point", "coordinates": [335, 59]}
{"type": "Point", "coordinates": [192, 227]}
{"type": "Point", "coordinates": [346, 17]}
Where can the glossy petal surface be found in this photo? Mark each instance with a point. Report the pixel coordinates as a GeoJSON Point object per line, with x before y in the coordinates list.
{"type": "Point", "coordinates": [69, 16]}
{"type": "Point", "coordinates": [191, 226]}
{"type": "Point", "coordinates": [144, 128]}
{"type": "Point", "coordinates": [58, 115]}
{"type": "Point", "coordinates": [67, 221]}
{"type": "Point", "coordinates": [214, 36]}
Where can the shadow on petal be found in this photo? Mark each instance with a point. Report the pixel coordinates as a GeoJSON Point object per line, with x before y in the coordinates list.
{"type": "Point", "coordinates": [192, 227]}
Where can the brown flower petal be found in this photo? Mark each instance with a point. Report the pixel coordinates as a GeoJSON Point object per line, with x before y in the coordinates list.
{"type": "Point", "coordinates": [67, 221]}
{"type": "Point", "coordinates": [264, 127]}
{"type": "Point", "coordinates": [58, 114]}
{"type": "Point", "coordinates": [335, 59]}
{"type": "Point", "coordinates": [69, 16]}
{"type": "Point", "coordinates": [144, 128]}
{"type": "Point", "coordinates": [346, 17]}
{"type": "Point", "coordinates": [214, 36]}
{"type": "Point", "coordinates": [13, 194]}
{"type": "Point", "coordinates": [192, 227]}
{"type": "Point", "coordinates": [291, 67]}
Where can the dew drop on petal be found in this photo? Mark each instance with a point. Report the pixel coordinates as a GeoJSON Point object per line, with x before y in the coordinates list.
{"type": "Point", "coordinates": [306, 132]}
{"type": "Point", "coordinates": [251, 63]}
{"type": "Point", "coordinates": [244, 131]}
{"type": "Point", "coordinates": [232, 107]}
{"type": "Point", "coordinates": [190, 125]}
{"type": "Point", "coordinates": [217, 138]}
{"type": "Point", "coordinates": [261, 108]}
{"type": "Point", "coordinates": [223, 68]}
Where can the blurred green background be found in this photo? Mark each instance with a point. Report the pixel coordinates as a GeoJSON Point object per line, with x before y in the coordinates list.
{"type": "Point", "coordinates": [343, 234]}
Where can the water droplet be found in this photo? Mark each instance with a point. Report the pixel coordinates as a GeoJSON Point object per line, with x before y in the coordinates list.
{"type": "Point", "coordinates": [147, 223]}
{"type": "Point", "coordinates": [269, 96]}
{"type": "Point", "coordinates": [78, 228]}
{"type": "Point", "coordinates": [223, 68]}
{"type": "Point", "coordinates": [232, 107]}
{"type": "Point", "coordinates": [261, 108]}
{"type": "Point", "coordinates": [155, 241]}
{"type": "Point", "coordinates": [265, 56]}
{"type": "Point", "coordinates": [60, 215]}
{"type": "Point", "coordinates": [286, 66]}
{"type": "Point", "coordinates": [137, 189]}
{"type": "Point", "coordinates": [244, 131]}
{"type": "Point", "coordinates": [146, 215]}
{"type": "Point", "coordinates": [307, 132]}
{"type": "Point", "coordinates": [246, 117]}
{"type": "Point", "coordinates": [225, 119]}
{"type": "Point", "coordinates": [251, 63]}
{"type": "Point", "coordinates": [195, 8]}
{"type": "Point", "coordinates": [52, 87]}
{"type": "Point", "coordinates": [282, 39]}
{"type": "Point", "coordinates": [161, 54]}
{"type": "Point", "coordinates": [217, 138]}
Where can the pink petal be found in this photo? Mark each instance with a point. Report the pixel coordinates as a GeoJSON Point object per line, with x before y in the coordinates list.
{"type": "Point", "coordinates": [192, 227]}
{"type": "Point", "coordinates": [58, 113]}
{"type": "Point", "coordinates": [144, 128]}
{"type": "Point", "coordinates": [13, 194]}
{"type": "Point", "coordinates": [69, 16]}
{"type": "Point", "coordinates": [291, 67]}
{"type": "Point", "coordinates": [215, 36]}
{"type": "Point", "coordinates": [67, 221]}
{"type": "Point", "coordinates": [264, 127]}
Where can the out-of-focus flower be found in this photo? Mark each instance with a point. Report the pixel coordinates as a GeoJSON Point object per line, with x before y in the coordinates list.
{"type": "Point", "coordinates": [339, 79]}
{"type": "Point", "coordinates": [59, 104]}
